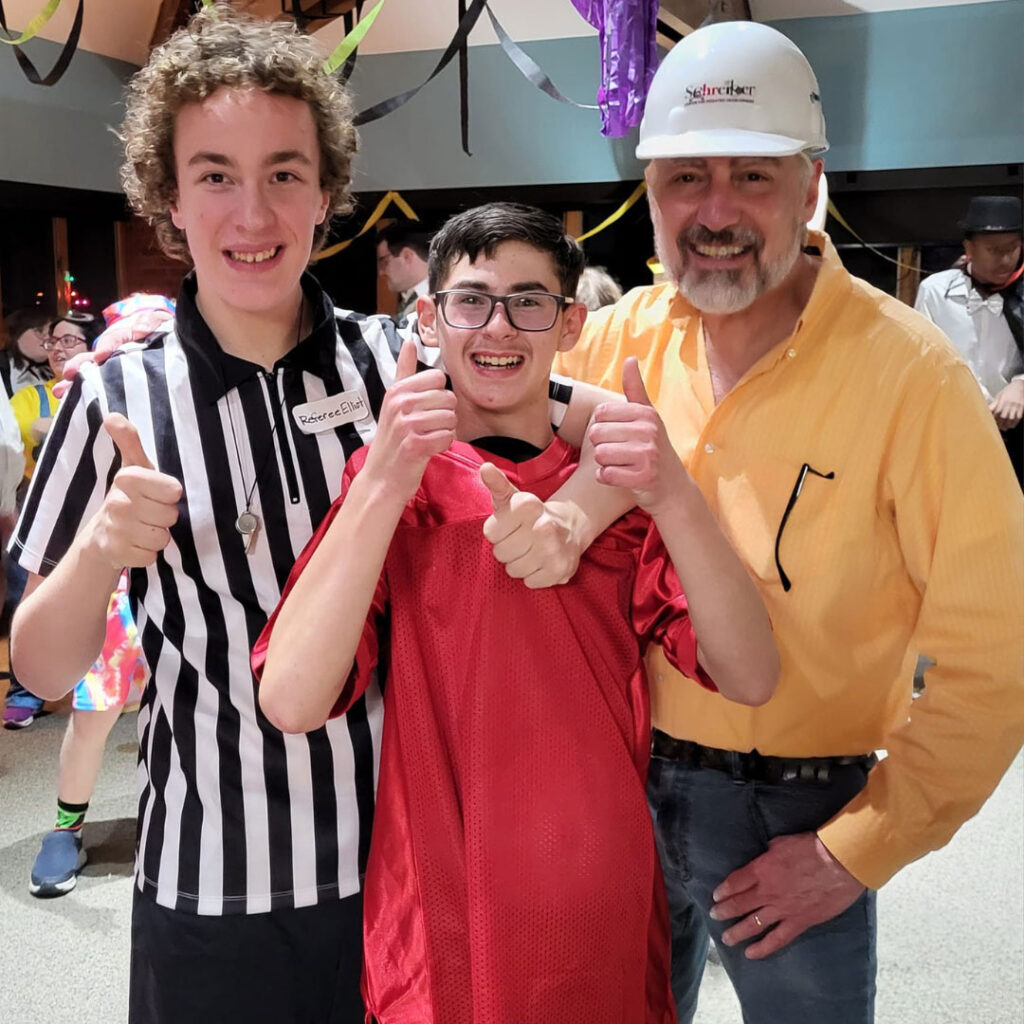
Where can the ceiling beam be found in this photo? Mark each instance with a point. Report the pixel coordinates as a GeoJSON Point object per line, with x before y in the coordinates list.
{"type": "Point", "coordinates": [678, 18]}
{"type": "Point", "coordinates": [170, 15]}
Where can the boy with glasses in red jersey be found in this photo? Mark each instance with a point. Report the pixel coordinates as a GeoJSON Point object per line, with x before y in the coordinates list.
{"type": "Point", "coordinates": [513, 872]}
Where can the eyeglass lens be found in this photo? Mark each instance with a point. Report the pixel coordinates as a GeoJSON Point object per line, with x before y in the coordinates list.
{"type": "Point", "coordinates": [64, 341]}
{"type": "Point", "coordinates": [526, 311]}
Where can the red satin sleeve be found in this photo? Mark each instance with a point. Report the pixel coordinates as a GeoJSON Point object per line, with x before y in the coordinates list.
{"type": "Point", "coordinates": [660, 612]}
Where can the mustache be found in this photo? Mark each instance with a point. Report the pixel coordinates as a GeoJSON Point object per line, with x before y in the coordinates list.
{"type": "Point", "coordinates": [697, 234]}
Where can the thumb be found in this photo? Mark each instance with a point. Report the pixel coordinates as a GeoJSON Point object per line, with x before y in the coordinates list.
{"type": "Point", "coordinates": [126, 440]}
{"type": "Point", "coordinates": [633, 383]}
{"type": "Point", "coordinates": [406, 365]}
{"type": "Point", "coordinates": [498, 484]}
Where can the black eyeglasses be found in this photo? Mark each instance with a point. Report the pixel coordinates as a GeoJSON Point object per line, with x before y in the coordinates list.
{"type": "Point", "coordinates": [64, 341]}
{"type": "Point", "coordinates": [797, 488]}
{"type": "Point", "coordinates": [526, 311]}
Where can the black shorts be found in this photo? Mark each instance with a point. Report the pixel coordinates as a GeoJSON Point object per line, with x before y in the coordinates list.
{"type": "Point", "coordinates": [284, 967]}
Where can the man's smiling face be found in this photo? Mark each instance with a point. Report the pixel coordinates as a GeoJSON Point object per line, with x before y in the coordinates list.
{"type": "Point", "coordinates": [729, 229]}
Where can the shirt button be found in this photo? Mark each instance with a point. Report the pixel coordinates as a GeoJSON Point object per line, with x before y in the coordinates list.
{"type": "Point", "coordinates": [709, 448]}
{"type": "Point", "coordinates": [791, 353]}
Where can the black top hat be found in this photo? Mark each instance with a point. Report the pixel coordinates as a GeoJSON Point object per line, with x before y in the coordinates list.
{"type": "Point", "coordinates": [992, 213]}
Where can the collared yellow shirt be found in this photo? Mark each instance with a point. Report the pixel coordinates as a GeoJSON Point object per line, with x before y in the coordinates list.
{"type": "Point", "coordinates": [905, 534]}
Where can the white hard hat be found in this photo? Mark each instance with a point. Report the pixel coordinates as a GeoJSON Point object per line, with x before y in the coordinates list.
{"type": "Point", "coordinates": [735, 88]}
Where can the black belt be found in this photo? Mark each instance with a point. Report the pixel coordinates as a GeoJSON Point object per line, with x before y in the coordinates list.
{"type": "Point", "coordinates": [753, 765]}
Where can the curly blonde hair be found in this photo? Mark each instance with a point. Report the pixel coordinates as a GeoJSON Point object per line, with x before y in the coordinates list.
{"type": "Point", "coordinates": [220, 47]}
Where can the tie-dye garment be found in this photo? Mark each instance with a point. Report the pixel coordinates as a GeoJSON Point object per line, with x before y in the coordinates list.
{"type": "Point", "coordinates": [119, 674]}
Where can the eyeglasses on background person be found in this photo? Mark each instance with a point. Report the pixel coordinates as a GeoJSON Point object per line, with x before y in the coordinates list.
{"type": "Point", "coordinates": [66, 341]}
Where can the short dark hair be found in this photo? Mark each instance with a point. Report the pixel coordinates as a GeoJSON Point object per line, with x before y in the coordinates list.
{"type": "Point", "coordinates": [91, 326]}
{"type": "Point", "coordinates": [399, 236]}
{"type": "Point", "coordinates": [484, 228]}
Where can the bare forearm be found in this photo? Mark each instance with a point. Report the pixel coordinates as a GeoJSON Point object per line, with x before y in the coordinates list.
{"type": "Point", "coordinates": [733, 630]}
{"type": "Point", "coordinates": [321, 621]}
{"type": "Point", "coordinates": [589, 505]}
{"type": "Point", "coordinates": [59, 627]}
{"type": "Point", "coordinates": [584, 400]}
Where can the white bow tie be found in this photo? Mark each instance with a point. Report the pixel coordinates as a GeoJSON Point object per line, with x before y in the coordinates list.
{"type": "Point", "coordinates": [975, 303]}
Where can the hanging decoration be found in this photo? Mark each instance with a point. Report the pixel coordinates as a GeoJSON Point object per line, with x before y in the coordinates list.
{"type": "Point", "coordinates": [628, 32]}
{"type": "Point", "coordinates": [345, 52]}
{"type": "Point", "coordinates": [529, 68]}
{"type": "Point", "coordinates": [56, 73]}
{"type": "Point", "coordinates": [608, 221]}
{"type": "Point", "coordinates": [34, 25]}
{"type": "Point", "coordinates": [378, 212]}
{"type": "Point", "coordinates": [459, 46]}
{"type": "Point", "coordinates": [841, 220]}
{"type": "Point", "coordinates": [396, 197]}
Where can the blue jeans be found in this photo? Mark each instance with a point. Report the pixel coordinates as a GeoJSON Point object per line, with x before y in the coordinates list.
{"type": "Point", "coordinates": [708, 823]}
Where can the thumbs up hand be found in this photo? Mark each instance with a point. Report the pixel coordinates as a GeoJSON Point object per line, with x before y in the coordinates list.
{"type": "Point", "coordinates": [632, 449]}
{"type": "Point", "coordinates": [126, 441]}
{"type": "Point", "coordinates": [530, 537]}
{"type": "Point", "coordinates": [416, 422]}
{"type": "Point", "coordinates": [133, 524]}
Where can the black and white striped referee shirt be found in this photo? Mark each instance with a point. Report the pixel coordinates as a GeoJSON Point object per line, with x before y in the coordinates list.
{"type": "Point", "coordinates": [235, 817]}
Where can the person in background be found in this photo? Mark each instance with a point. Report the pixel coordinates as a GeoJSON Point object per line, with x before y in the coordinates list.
{"type": "Point", "coordinates": [115, 680]}
{"type": "Point", "coordinates": [979, 305]}
{"type": "Point", "coordinates": [850, 458]}
{"type": "Point", "coordinates": [24, 361]}
{"type": "Point", "coordinates": [402, 251]}
{"type": "Point", "coordinates": [597, 288]}
{"type": "Point", "coordinates": [12, 469]}
{"type": "Point", "coordinates": [33, 406]}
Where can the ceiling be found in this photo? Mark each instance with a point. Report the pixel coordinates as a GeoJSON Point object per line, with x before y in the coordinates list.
{"type": "Point", "coordinates": [123, 28]}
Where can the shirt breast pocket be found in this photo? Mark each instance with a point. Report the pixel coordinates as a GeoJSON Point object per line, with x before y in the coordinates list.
{"type": "Point", "coordinates": [782, 516]}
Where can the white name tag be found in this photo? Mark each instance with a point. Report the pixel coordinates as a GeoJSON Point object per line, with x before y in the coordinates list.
{"type": "Point", "coordinates": [331, 412]}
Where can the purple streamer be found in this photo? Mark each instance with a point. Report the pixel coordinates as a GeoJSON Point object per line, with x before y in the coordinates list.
{"type": "Point", "coordinates": [628, 32]}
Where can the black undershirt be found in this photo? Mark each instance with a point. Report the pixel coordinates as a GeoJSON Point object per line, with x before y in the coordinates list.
{"type": "Point", "coordinates": [512, 449]}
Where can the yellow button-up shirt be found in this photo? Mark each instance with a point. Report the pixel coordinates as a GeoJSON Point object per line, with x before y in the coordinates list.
{"type": "Point", "coordinates": [905, 533]}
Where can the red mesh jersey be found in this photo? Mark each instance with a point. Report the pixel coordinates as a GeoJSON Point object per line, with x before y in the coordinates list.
{"type": "Point", "coordinates": [513, 876]}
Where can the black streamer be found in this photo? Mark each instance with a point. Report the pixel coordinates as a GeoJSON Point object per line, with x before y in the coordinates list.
{"type": "Point", "coordinates": [63, 60]}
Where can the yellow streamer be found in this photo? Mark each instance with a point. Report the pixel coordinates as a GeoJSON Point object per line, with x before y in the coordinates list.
{"type": "Point", "coordinates": [378, 212]}
{"type": "Point", "coordinates": [636, 194]}
{"type": "Point", "coordinates": [35, 24]}
{"type": "Point", "coordinates": [839, 218]}
{"type": "Point", "coordinates": [345, 48]}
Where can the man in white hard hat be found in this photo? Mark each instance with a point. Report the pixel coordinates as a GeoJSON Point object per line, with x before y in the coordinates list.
{"type": "Point", "coordinates": [850, 457]}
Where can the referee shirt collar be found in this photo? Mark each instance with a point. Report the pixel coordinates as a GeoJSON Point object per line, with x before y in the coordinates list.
{"type": "Point", "coordinates": [215, 372]}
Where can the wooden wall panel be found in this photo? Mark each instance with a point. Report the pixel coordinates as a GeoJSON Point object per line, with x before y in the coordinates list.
{"type": "Point", "coordinates": [141, 265]}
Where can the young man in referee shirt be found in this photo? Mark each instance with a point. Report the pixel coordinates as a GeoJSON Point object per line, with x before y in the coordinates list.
{"type": "Point", "coordinates": [240, 417]}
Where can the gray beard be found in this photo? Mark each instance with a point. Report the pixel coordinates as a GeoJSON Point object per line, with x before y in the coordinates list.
{"type": "Point", "coordinates": [722, 292]}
